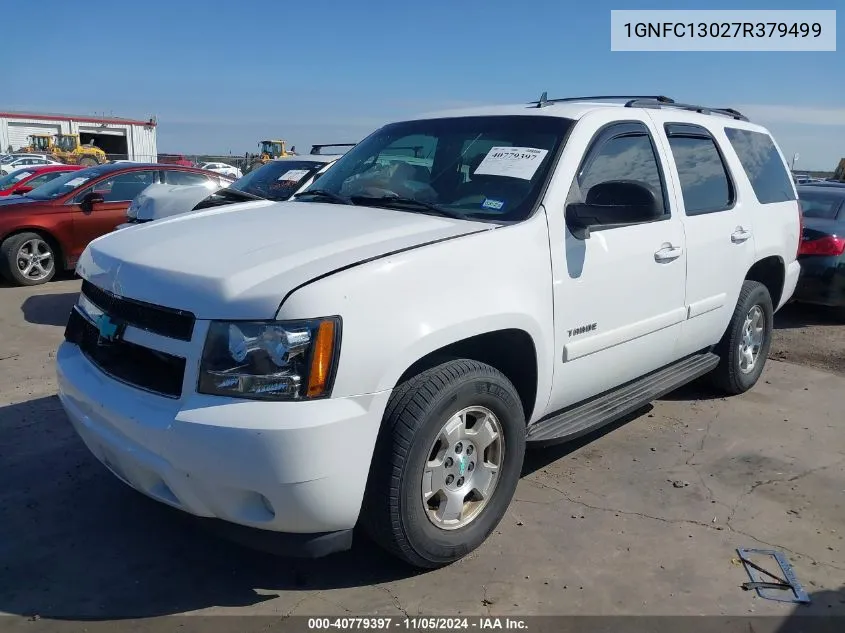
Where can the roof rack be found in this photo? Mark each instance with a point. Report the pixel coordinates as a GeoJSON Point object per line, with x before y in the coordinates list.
{"type": "Point", "coordinates": [648, 102]}
{"type": "Point", "coordinates": [544, 100]}
{"type": "Point", "coordinates": [316, 149]}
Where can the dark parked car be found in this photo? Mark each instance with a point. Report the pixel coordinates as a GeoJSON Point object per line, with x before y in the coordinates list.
{"type": "Point", "coordinates": [822, 252]}
{"type": "Point", "coordinates": [47, 228]}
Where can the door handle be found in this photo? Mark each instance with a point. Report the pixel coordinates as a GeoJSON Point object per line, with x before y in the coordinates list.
{"type": "Point", "coordinates": [668, 253]}
{"type": "Point", "coordinates": [740, 235]}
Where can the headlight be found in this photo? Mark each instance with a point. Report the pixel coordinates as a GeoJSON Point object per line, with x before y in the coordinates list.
{"type": "Point", "coordinates": [270, 360]}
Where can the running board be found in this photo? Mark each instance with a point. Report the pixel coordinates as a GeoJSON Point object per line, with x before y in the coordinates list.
{"type": "Point", "coordinates": [619, 402]}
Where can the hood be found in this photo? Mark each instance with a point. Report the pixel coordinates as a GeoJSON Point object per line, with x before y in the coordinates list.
{"type": "Point", "coordinates": [163, 201]}
{"type": "Point", "coordinates": [238, 263]}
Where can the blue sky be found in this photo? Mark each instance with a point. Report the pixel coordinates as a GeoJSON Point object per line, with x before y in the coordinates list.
{"type": "Point", "coordinates": [221, 75]}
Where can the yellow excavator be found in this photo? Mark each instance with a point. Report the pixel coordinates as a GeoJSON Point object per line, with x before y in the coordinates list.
{"type": "Point", "coordinates": [268, 150]}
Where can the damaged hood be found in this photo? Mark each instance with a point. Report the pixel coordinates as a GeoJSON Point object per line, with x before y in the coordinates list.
{"type": "Point", "coordinates": [239, 261]}
{"type": "Point", "coordinates": [160, 201]}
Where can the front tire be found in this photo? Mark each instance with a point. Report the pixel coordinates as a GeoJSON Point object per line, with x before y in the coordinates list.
{"type": "Point", "coordinates": [446, 463]}
{"type": "Point", "coordinates": [27, 259]}
{"type": "Point", "coordinates": [744, 348]}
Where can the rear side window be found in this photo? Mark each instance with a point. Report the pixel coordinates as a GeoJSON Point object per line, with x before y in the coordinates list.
{"type": "Point", "coordinates": [705, 183]}
{"type": "Point", "coordinates": [820, 204]}
{"type": "Point", "coordinates": [175, 177]}
{"type": "Point", "coordinates": [762, 164]}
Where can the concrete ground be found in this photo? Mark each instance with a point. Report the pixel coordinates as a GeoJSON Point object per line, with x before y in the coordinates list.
{"type": "Point", "coordinates": [641, 519]}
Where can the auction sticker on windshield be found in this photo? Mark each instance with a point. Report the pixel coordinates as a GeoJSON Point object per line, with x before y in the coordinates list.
{"type": "Point", "coordinates": [21, 175]}
{"type": "Point", "coordinates": [294, 174]}
{"type": "Point", "coordinates": [75, 182]}
{"type": "Point", "coordinates": [516, 162]}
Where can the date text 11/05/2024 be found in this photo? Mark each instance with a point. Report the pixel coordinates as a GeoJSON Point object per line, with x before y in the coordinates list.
{"type": "Point", "coordinates": [723, 29]}
{"type": "Point", "coordinates": [418, 623]}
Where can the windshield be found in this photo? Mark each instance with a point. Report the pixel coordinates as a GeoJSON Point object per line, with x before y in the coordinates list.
{"type": "Point", "coordinates": [40, 142]}
{"type": "Point", "coordinates": [10, 180]}
{"type": "Point", "coordinates": [277, 180]}
{"type": "Point", "coordinates": [820, 204]}
{"type": "Point", "coordinates": [9, 158]}
{"type": "Point", "coordinates": [64, 184]}
{"type": "Point", "coordinates": [274, 149]}
{"type": "Point", "coordinates": [66, 143]}
{"type": "Point", "coordinates": [489, 167]}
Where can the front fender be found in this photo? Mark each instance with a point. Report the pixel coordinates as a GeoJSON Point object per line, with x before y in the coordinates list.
{"type": "Point", "coordinates": [400, 308]}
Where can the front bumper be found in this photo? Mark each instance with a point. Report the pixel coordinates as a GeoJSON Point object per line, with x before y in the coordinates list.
{"type": "Point", "coordinates": [299, 467]}
{"type": "Point", "coordinates": [822, 281]}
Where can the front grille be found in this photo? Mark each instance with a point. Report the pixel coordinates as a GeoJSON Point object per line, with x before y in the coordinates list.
{"type": "Point", "coordinates": [130, 363]}
{"type": "Point", "coordinates": [177, 324]}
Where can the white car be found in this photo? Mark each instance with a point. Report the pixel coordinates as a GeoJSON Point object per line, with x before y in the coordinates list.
{"type": "Point", "coordinates": [276, 181]}
{"type": "Point", "coordinates": [222, 168]}
{"type": "Point", "coordinates": [454, 287]}
{"type": "Point", "coordinates": [13, 162]}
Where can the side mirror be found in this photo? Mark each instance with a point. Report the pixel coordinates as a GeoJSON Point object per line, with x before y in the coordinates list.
{"type": "Point", "coordinates": [613, 203]}
{"type": "Point", "coordinates": [91, 199]}
{"type": "Point", "coordinates": [23, 189]}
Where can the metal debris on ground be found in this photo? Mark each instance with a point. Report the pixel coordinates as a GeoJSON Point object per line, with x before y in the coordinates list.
{"type": "Point", "coordinates": [782, 588]}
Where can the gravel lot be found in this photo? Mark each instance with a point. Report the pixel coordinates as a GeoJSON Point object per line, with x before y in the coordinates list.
{"type": "Point", "coordinates": [641, 519]}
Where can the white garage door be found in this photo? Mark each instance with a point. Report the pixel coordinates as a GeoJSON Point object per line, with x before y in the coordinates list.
{"type": "Point", "coordinates": [18, 132]}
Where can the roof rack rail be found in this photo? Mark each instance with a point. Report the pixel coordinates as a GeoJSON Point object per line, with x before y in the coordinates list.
{"type": "Point", "coordinates": [544, 99]}
{"type": "Point", "coordinates": [316, 149]}
{"type": "Point", "coordinates": [648, 102]}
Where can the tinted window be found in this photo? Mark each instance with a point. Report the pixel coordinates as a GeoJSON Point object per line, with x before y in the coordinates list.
{"type": "Point", "coordinates": [763, 165]}
{"type": "Point", "coordinates": [185, 178]}
{"type": "Point", "coordinates": [278, 179]}
{"type": "Point", "coordinates": [122, 187]}
{"type": "Point", "coordinates": [705, 184]}
{"type": "Point", "coordinates": [40, 180]}
{"type": "Point", "coordinates": [820, 204]}
{"type": "Point", "coordinates": [10, 179]}
{"type": "Point", "coordinates": [623, 152]}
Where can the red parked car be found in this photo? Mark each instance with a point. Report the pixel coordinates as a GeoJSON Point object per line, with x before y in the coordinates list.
{"type": "Point", "coordinates": [25, 180]}
{"type": "Point", "coordinates": [47, 229]}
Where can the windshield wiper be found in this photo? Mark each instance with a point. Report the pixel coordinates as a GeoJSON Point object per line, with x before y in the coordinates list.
{"type": "Point", "coordinates": [323, 193]}
{"type": "Point", "coordinates": [409, 204]}
{"type": "Point", "coordinates": [237, 192]}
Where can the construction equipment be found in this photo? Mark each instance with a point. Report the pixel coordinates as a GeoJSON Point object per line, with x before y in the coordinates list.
{"type": "Point", "coordinates": [68, 149]}
{"type": "Point", "coordinates": [38, 144]}
{"type": "Point", "coordinates": [269, 150]}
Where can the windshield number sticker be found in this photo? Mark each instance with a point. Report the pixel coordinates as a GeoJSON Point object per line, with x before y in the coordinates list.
{"type": "Point", "coordinates": [515, 162]}
{"type": "Point", "coordinates": [294, 174]}
{"type": "Point", "coordinates": [75, 182]}
{"type": "Point", "coordinates": [21, 175]}
{"type": "Point", "coordinates": [490, 203]}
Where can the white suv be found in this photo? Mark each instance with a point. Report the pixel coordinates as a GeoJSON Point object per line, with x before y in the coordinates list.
{"type": "Point", "coordinates": [381, 350]}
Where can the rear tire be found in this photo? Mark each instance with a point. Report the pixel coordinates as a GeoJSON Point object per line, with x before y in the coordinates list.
{"type": "Point", "coordinates": [435, 445]}
{"type": "Point", "coordinates": [27, 259]}
{"type": "Point", "coordinates": [744, 348]}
